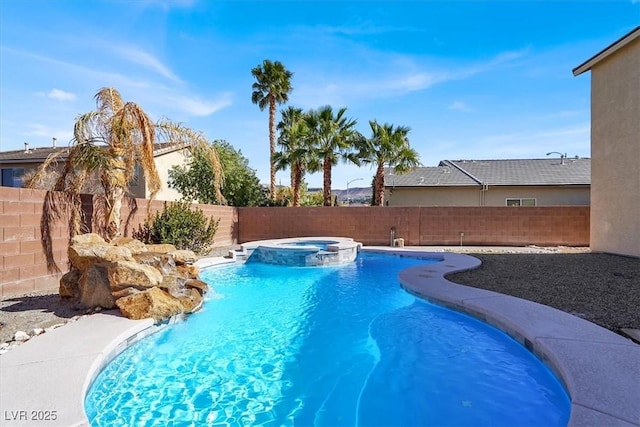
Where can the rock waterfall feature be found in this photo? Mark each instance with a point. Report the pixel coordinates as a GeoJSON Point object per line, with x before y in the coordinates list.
{"type": "Point", "coordinates": [156, 281]}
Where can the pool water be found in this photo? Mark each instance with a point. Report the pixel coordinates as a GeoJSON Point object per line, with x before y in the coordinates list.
{"type": "Point", "coordinates": [327, 346]}
{"type": "Point", "coordinates": [323, 245]}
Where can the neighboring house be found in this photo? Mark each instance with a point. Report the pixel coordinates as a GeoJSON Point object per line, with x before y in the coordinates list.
{"type": "Point", "coordinates": [615, 146]}
{"type": "Point", "coordinates": [15, 164]}
{"type": "Point", "coordinates": [525, 182]}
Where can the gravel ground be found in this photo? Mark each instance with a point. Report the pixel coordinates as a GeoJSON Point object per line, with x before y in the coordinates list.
{"type": "Point", "coordinates": [601, 288]}
{"type": "Point", "coordinates": [604, 289]}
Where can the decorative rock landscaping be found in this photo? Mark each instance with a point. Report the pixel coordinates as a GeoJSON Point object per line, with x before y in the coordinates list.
{"type": "Point", "coordinates": [156, 281]}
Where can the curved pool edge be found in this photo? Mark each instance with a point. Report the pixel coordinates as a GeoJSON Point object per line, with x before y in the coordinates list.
{"type": "Point", "coordinates": [599, 368]}
{"type": "Point", "coordinates": [53, 372]}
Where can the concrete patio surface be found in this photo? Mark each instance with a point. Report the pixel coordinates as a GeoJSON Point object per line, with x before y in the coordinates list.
{"type": "Point", "coordinates": [44, 380]}
{"type": "Point", "coordinates": [600, 369]}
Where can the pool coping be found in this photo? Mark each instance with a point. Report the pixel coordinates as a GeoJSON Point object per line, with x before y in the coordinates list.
{"type": "Point", "coordinates": [599, 368]}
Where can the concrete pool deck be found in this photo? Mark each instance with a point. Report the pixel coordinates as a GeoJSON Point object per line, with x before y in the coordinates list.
{"type": "Point", "coordinates": [48, 376]}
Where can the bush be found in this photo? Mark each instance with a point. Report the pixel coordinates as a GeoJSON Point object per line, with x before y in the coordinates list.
{"type": "Point", "coordinates": [180, 226]}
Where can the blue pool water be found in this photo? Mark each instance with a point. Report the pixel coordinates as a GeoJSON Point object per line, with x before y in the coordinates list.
{"type": "Point", "coordinates": [327, 346]}
{"type": "Point", "coordinates": [313, 243]}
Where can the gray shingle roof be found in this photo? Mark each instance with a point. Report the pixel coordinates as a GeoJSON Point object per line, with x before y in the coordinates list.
{"type": "Point", "coordinates": [553, 171]}
{"type": "Point", "coordinates": [33, 155]}
{"type": "Point", "coordinates": [40, 154]}
{"type": "Point", "coordinates": [428, 177]}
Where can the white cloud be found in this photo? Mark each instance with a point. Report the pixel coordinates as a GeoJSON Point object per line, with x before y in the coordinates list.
{"type": "Point", "coordinates": [169, 4]}
{"type": "Point", "coordinates": [460, 106]}
{"type": "Point", "coordinates": [414, 82]}
{"type": "Point", "coordinates": [199, 107]}
{"type": "Point", "coordinates": [360, 28]}
{"type": "Point", "coordinates": [81, 71]}
{"type": "Point", "coordinates": [534, 144]}
{"type": "Point", "coordinates": [144, 92]}
{"type": "Point", "coordinates": [131, 54]}
{"type": "Point", "coordinates": [40, 130]}
{"type": "Point", "coordinates": [398, 75]}
{"type": "Point", "coordinates": [61, 95]}
{"type": "Point", "coordinates": [140, 57]}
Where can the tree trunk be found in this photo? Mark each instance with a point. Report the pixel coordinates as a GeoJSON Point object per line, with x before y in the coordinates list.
{"type": "Point", "coordinates": [272, 146]}
{"type": "Point", "coordinates": [326, 181]}
{"type": "Point", "coordinates": [378, 186]}
{"type": "Point", "coordinates": [296, 181]}
{"type": "Point", "coordinates": [114, 193]}
{"type": "Point", "coordinates": [114, 220]}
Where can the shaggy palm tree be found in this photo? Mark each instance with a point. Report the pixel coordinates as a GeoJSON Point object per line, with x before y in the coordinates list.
{"type": "Point", "coordinates": [108, 143]}
{"type": "Point", "coordinates": [334, 138]}
{"type": "Point", "coordinates": [272, 86]}
{"type": "Point", "coordinates": [388, 146]}
{"type": "Point", "coordinates": [295, 152]}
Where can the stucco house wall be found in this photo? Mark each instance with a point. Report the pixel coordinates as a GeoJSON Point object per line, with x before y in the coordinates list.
{"type": "Point", "coordinates": [615, 147]}
{"type": "Point", "coordinates": [164, 162]}
{"type": "Point", "coordinates": [544, 196]}
{"type": "Point", "coordinates": [433, 196]}
{"type": "Point", "coordinates": [493, 196]}
{"type": "Point", "coordinates": [165, 157]}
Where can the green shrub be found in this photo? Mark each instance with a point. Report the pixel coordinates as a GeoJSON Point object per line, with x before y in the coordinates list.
{"type": "Point", "coordinates": [179, 225]}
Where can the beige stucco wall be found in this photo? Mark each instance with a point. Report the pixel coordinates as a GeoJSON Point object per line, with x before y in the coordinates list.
{"type": "Point", "coordinates": [494, 196]}
{"type": "Point", "coordinates": [545, 196]}
{"type": "Point", "coordinates": [164, 163]}
{"type": "Point", "coordinates": [139, 189]}
{"type": "Point", "coordinates": [615, 152]}
{"type": "Point", "coordinates": [433, 196]}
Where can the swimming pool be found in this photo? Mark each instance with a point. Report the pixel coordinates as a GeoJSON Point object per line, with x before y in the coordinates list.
{"type": "Point", "coordinates": [330, 346]}
{"type": "Point", "coordinates": [302, 251]}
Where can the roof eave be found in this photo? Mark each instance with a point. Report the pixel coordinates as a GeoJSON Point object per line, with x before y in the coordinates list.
{"type": "Point", "coordinates": [35, 160]}
{"type": "Point", "coordinates": [607, 51]}
{"type": "Point", "coordinates": [170, 148]}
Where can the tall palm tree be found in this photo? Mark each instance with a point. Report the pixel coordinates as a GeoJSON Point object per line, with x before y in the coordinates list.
{"type": "Point", "coordinates": [334, 138]}
{"type": "Point", "coordinates": [272, 86]}
{"type": "Point", "coordinates": [109, 143]}
{"type": "Point", "coordinates": [388, 146]}
{"type": "Point", "coordinates": [295, 150]}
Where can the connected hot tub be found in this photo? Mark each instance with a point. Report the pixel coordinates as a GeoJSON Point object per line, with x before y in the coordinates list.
{"type": "Point", "coordinates": [303, 251]}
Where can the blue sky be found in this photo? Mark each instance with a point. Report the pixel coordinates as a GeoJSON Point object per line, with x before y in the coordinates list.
{"type": "Point", "coordinates": [472, 79]}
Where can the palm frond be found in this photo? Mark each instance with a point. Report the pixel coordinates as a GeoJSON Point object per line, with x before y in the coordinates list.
{"type": "Point", "coordinates": [35, 180]}
{"type": "Point", "coordinates": [108, 101]}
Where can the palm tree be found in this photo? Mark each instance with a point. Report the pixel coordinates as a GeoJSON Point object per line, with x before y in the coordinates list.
{"type": "Point", "coordinates": [272, 86]}
{"type": "Point", "coordinates": [109, 143]}
{"type": "Point", "coordinates": [388, 146]}
{"type": "Point", "coordinates": [296, 152]}
{"type": "Point", "coordinates": [334, 138]}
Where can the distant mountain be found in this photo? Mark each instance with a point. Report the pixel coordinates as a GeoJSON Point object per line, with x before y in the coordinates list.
{"type": "Point", "coordinates": [356, 195]}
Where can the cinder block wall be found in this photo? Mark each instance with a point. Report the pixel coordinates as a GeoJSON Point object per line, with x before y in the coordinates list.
{"type": "Point", "coordinates": [23, 264]}
{"type": "Point", "coordinates": [510, 226]}
{"type": "Point", "coordinates": [227, 228]}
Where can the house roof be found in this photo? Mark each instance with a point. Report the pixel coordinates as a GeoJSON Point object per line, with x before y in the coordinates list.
{"type": "Point", "coordinates": [512, 172]}
{"type": "Point", "coordinates": [40, 154]}
{"type": "Point", "coordinates": [607, 51]}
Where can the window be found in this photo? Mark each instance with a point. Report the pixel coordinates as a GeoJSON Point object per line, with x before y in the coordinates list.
{"type": "Point", "coordinates": [12, 177]}
{"type": "Point", "coordinates": [521, 202]}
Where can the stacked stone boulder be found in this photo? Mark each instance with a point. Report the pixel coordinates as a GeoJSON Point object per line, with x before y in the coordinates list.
{"type": "Point", "coordinates": [143, 281]}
